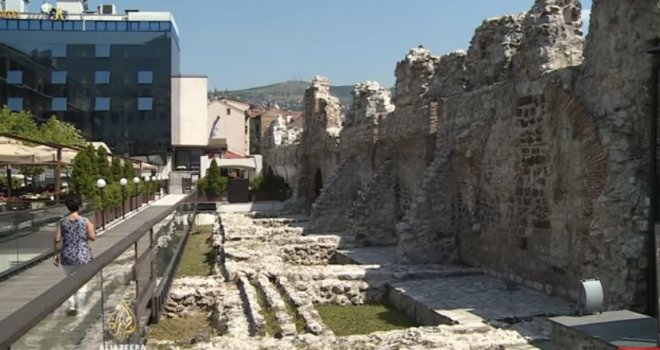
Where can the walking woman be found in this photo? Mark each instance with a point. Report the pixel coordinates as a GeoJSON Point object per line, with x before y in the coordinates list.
{"type": "Point", "coordinates": [70, 241]}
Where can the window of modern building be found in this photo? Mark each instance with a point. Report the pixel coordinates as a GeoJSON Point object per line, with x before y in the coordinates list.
{"type": "Point", "coordinates": [3, 24]}
{"type": "Point", "coordinates": [12, 24]}
{"type": "Point", "coordinates": [112, 26]}
{"type": "Point", "coordinates": [15, 104]}
{"type": "Point", "coordinates": [57, 26]}
{"type": "Point", "coordinates": [165, 26]}
{"type": "Point", "coordinates": [145, 77]}
{"type": "Point", "coordinates": [58, 50]}
{"type": "Point", "coordinates": [134, 26]}
{"type": "Point", "coordinates": [14, 77]}
{"type": "Point", "coordinates": [102, 50]}
{"type": "Point", "coordinates": [122, 26]}
{"type": "Point", "coordinates": [58, 77]}
{"type": "Point", "coordinates": [102, 104]}
{"type": "Point", "coordinates": [144, 26]}
{"type": "Point", "coordinates": [145, 103]}
{"type": "Point", "coordinates": [23, 25]}
{"type": "Point", "coordinates": [59, 104]}
{"type": "Point", "coordinates": [68, 26]}
{"type": "Point", "coordinates": [47, 25]}
{"type": "Point", "coordinates": [77, 26]}
{"type": "Point", "coordinates": [154, 26]}
{"type": "Point", "coordinates": [35, 24]}
{"type": "Point", "coordinates": [101, 26]}
{"type": "Point", "coordinates": [102, 77]}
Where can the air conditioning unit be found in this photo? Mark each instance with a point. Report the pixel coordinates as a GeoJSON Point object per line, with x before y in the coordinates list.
{"type": "Point", "coordinates": [107, 9]}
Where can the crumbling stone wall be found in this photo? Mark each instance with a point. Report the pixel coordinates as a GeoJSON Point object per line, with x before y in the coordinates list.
{"type": "Point", "coordinates": [280, 148]}
{"type": "Point", "coordinates": [521, 156]}
{"type": "Point", "coordinates": [318, 150]}
{"type": "Point", "coordinates": [359, 153]}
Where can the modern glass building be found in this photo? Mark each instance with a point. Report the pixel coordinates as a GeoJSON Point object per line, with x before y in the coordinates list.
{"type": "Point", "coordinates": [109, 74]}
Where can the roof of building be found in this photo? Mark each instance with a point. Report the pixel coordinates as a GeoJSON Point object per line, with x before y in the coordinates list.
{"type": "Point", "coordinates": [232, 155]}
{"type": "Point", "coordinates": [239, 106]}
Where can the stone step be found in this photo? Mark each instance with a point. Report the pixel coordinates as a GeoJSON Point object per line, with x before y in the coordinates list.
{"type": "Point", "coordinates": [286, 325]}
{"type": "Point", "coordinates": [304, 307]}
{"type": "Point", "coordinates": [256, 321]}
{"type": "Point", "coordinates": [231, 317]}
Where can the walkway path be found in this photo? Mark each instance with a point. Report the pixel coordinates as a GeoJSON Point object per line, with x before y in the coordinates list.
{"type": "Point", "coordinates": [26, 286]}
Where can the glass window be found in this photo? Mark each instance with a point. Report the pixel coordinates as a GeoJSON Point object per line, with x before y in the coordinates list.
{"type": "Point", "coordinates": [102, 104]}
{"type": "Point", "coordinates": [58, 77]}
{"type": "Point", "coordinates": [47, 25]}
{"type": "Point", "coordinates": [68, 26]}
{"type": "Point", "coordinates": [23, 25]}
{"type": "Point", "coordinates": [12, 24]}
{"type": "Point", "coordinates": [58, 50]}
{"type": "Point", "coordinates": [90, 25]}
{"type": "Point", "coordinates": [35, 25]}
{"type": "Point", "coordinates": [112, 26]}
{"type": "Point", "coordinates": [102, 77]}
{"type": "Point", "coordinates": [3, 24]}
{"type": "Point", "coordinates": [57, 25]}
{"type": "Point", "coordinates": [145, 77]}
{"type": "Point", "coordinates": [165, 26]}
{"type": "Point", "coordinates": [15, 104]}
{"type": "Point", "coordinates": [59, 104]}
{"type": "Point", "coordinates": [14, 77]}
{"type": "Point", "coordinates": [102, 50]}
{"type": "Point", "coordinates": [135, 26]}
{"type": "Point", "coordinates": [145, 103]}
{"type": "Point", "coordinates": [101, 26]}
{"type": "Point", "coordinates": [77, 25]}
{"type": "Point", "coordinates": [122, 26]}
{"type": "Point", "coordinates": [153, 26]}
{"type": "Point", "coordinates": [144, 26]}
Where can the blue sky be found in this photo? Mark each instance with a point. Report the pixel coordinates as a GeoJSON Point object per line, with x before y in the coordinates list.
{"type": "Point", "coordinates": [248, 43]}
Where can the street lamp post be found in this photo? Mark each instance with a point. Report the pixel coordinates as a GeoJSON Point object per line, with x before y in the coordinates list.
{"type": "Point", "coordinates": [136, 181]}
{"type": "Point", "coordinates": [123, 182]}
{"type": "Point", "coordinates": [100, 183]}
{"type": "Point", "coordinates": [147, 191]}
{"type": "Point", "coordinates": [153, 179]}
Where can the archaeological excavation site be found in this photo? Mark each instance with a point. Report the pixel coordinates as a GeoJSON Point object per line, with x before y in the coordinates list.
{"type": "Point", "coordinates": [467, 208]}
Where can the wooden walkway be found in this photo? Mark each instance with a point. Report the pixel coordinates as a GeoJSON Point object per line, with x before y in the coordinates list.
{"type": "Point", "coordinates": [26, 286]}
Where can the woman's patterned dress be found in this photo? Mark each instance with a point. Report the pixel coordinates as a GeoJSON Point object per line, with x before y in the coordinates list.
{"type": "Point", "coordinates": [75, 250]}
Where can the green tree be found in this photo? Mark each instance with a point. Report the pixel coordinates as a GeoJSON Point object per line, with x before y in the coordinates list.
{"type": "Point", "coordinates": [57, 131]}
{"type": "Point", "coordinates": [116, 169]}
{"type": "Point", "coordinates": [18, 123]}
{"type": "Point", "coordinates": [83, 176]}
{"type": "Point", "coordinates": [214, 184]}
{"type": "Point", "coordinates": [103, 165]}
{"type": "Point", "coordinates": [128, 171]}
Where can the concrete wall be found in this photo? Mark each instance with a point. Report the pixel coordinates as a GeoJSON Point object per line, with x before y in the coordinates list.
{"type": "Point", "coordinates": [189, 111]}
{"type": "Point", "coordinates": [231, 126]}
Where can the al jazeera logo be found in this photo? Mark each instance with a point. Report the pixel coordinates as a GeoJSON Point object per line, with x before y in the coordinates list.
{"type": "Point", "coordinates": [122, 324]}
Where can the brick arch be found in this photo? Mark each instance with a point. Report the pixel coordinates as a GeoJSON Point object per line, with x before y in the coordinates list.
{"type": "Point", "coordinates": [591, 145]}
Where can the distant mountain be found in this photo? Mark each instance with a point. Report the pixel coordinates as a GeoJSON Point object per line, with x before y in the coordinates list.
{"type": "Point", "coordinates": [288, 95]}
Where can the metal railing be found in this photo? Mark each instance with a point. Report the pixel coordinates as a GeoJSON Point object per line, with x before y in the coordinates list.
{"type": "Point", "coordinates": [139, 247]}
{"type": "Point", "coordinates": [27, 233]}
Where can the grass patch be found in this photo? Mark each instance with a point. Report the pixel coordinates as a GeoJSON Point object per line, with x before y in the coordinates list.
{"type": "Point", "coordinates": [198, 257]}
{"type": "Point", "coordinates": [272, 328]}
{"type": "Point", "coordinates": [180, 330]}
{"type": "Point", "coordinates": [363, 319]}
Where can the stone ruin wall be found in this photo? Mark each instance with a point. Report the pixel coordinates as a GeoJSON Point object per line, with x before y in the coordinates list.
{"type": "Point", "coordinates": [318, 148]}
{"type": "Point", "coordinates": [525, 156]}
{"type": "Point", "coordinates": [280, 150]}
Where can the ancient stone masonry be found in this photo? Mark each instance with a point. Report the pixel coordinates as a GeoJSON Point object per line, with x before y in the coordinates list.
{"type": "Point", "coordinates": [318, 150]}
{"type": "Point", "coordinates": [359, 155]}
{"type": "Point", "coordinates": [280, 148]}
{"type": "Point", "coordinates": [520, 156]}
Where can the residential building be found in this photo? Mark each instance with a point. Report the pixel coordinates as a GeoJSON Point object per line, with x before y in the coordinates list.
{"type": "Point", "coordinates": [227, 120]}
{"type": "Point", "coordinates": [108, 73]}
